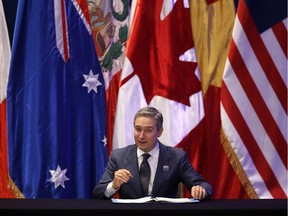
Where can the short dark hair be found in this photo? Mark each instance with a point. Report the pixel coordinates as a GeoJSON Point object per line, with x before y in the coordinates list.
{"type": "Point", "coordinates": [152, 112]}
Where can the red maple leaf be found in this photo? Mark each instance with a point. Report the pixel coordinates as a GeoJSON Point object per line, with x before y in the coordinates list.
{"type": "Point", "coordinates": [154, 48]}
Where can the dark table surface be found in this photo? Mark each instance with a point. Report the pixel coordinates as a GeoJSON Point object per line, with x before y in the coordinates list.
{"type": "Point", "coordinates": [106, 207]}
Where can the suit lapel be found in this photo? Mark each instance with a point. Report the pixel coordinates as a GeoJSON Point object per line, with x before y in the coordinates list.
{"type": "Point", "coordinates": [131, 162]}
{"type": "Point", "coordinates": [162, 168]}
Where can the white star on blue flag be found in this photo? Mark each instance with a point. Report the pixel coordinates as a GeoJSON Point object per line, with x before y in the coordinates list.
{"type": "Point", "coordinates": [91, 81]}
{"type": "Point", "coordinates": [58, 177]}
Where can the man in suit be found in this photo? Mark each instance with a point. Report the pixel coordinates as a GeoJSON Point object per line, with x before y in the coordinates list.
{"type": "Point", "coordinates": [168, 166]}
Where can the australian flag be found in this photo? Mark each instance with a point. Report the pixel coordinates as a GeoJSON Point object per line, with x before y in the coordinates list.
{"type": "Point", "coordinates": [56, 102]}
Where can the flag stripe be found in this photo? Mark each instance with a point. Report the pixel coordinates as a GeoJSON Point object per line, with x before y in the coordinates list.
{"type": "Point", "coordinates": [61, 29]}
{"type": "Point", "coordinates": [255, 153]}
{"type": "Point", "coordinates": [83, 12]}
{"type": "Point", "coordinates": [64, 31]}
{"type": "Point", "coordinates": [257, 102]}
{"type": "Point", "coordinates": [280, 31]}
{"type": "Point", "coordinates": [263, 56]}
{"type": "Point", "coordinates": [5, 55]}
{"type": "Point", "coordinates": [273, 45]}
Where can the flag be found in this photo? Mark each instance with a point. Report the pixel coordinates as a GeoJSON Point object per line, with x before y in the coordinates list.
{"type": "Point", "coordinates": [160, 70]}
{"type": "Point", "coordinates": [151, 65]}
{"type": "Point", "coordinates": [109, 23]}
{"type": "Point", "coordinates": [212, 23]}
{"type": "Point", "coordinates": [254, 98]}
{"type": "Point", "coordinates": [55, 102]}
{"type": "Point", "coordinates": [5, 55]}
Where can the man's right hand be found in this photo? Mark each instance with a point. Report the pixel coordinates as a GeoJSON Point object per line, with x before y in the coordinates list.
{"type": "Point", "coordinates": [121, 176]}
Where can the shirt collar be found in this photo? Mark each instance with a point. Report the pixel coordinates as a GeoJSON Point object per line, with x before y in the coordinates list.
{"type": "Point", "coordinates": [154, 152]}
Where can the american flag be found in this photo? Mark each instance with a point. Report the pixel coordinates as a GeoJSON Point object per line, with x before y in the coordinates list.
{"type": "Point", "coordinates": [254, 97]}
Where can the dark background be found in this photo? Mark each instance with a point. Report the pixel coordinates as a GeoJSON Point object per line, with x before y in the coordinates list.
{"type": "Point", "coordinates": [10, 8]}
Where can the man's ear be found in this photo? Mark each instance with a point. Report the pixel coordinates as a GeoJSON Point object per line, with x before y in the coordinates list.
{"type": "Point", "coordinates": [160, 131]}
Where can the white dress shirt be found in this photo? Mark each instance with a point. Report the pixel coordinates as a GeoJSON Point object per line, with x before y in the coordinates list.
{"type": "Point", "coordinates": [152, 160]}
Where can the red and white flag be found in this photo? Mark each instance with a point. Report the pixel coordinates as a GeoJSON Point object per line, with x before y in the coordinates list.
{"type": "Point", "coordinates": [5, 55]}
{"type": "Point", "coordinates": [109, 24]}
{"type": "Point", "coordinates": [212, 24]}
{"type": "Point", "coordinates": [254, 97]}
{"type": "Point", "coordinates": [160, 70]}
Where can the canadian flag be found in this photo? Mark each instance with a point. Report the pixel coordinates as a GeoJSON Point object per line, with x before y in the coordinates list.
{"type": "Point", "coordinates": [162, 70]}
{"type": "Point", "coordinates": [160, 73]}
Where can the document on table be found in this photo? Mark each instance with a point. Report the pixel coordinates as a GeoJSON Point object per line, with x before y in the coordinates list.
{"type": "Point", "coordinates": [150, 199]}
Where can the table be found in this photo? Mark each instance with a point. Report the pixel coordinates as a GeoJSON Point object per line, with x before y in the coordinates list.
{"type": "Point", "coordinates": [96, 207]}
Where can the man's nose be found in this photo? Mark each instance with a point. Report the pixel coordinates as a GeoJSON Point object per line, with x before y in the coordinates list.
{"type": "Point", "coordinates": [141, 134]}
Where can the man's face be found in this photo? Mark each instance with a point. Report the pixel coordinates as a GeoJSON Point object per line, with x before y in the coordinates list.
{"type": "Point", "coordinates": [146, 133]}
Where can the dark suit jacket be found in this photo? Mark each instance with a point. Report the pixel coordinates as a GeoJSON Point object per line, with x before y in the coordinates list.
{"type": "Point", "coordinates": [173, 167]}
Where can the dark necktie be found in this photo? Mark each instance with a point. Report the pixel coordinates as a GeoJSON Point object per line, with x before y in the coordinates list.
{"type": "Point", "coordinates": [145, 174]}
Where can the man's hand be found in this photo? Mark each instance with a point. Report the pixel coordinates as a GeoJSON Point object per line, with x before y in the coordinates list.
{"type": "Point", "coordinates": [198, 192]}
{"type": "Point", "coordinates": [121, 176]}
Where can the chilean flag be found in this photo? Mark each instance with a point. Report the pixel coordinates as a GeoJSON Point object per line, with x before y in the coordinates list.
{"type": "Point", "coordinates": [55, 102]}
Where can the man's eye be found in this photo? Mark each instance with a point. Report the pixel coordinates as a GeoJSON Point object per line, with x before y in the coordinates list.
{"type": "Point", "coordinates": [148, 131]}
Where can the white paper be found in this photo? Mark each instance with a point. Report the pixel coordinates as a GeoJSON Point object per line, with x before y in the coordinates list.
{"type": "Point", "coordinates": [155, 199]}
